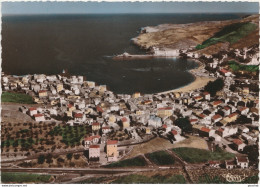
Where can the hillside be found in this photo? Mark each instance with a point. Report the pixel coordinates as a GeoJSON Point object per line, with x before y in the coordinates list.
{"type": "Point", "coordinates": [209, 37]}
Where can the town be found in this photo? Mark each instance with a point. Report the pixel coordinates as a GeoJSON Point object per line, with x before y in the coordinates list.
{"type": "Point", "coordinates": [226, 118]}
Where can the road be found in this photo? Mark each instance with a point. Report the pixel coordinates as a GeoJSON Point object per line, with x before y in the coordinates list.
{"type": "Point", "coordinates": [77, 170]}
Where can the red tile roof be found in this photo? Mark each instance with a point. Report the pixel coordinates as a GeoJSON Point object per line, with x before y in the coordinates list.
{"type": "Point", "coordinates": [70, 105]}
{"type": "Point", "coordinates": [96, 136]}
{"type": "Point", "coordinates": [91, 138]}
{"type": "Point", "coordinates": [198, 97]}
{"type": "Point", "coordinates": [95, 124]}
{"type": "Point", "coordinates": [214, 162]}
{"type": "Point", "coordinates": [224, 70]}
{"type": "Point", "coordinates": [242, 159]}
{"type": "Point", "coordinates": [202, 116]}
{"type": "Point", "coordinates": [164, 126]}
{"type": "Point", "coordinates": [32, 108]}
{"type": "Point", "coordinates": [37, 115]}
{"type": "Point", "coordinates": [111, 142]}
{"type": "Point", "coordinates": [205, 93]}
{"type": "Point", "coordinates": [105, 127]}
{"type": "Point", "coordinates": [237, 141]}
{"type": "Point", "coordinates": [99, 109]}
{"type": "Point", "coordinates": [193, 120]}
{"type": "Point", "coordinates": [220, 130]}
{"type": "Point", "coordinates": [78, 115]}
{"type": "Point", "coordinates": [165, 108]}
{"type": "Point", "coordinates": [217, 102]}
{"type": "Point", "coordinates": [232, 115]}
{"type": "Point", "coordinates": [231, 163]}
{"type": "Point", "coordinates": [217, 116]}
{"type": "Point", "coordinates": [226, 108]}
{"type": "Point", "coordinates": [42, 91]}
{"type": "Point", "coordinates": [88, 139]}
{"type": "Point", "coordinates": [124, 119]}
{"type": "Point", "coordinates": [147, 102]}
{"type": "Point", "coordinates": [205, 129]}
{"type": "Point", "coordinates": [174, 132]}
{"type": "Point", "coordinates": [94, 146]}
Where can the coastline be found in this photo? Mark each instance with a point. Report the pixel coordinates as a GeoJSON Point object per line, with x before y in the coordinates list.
{"type": "Point", "coordinates": [199, 82]}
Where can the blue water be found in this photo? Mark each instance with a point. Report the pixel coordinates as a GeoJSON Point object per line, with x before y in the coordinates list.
{"type": "Point", "coordinates": [81, 44]}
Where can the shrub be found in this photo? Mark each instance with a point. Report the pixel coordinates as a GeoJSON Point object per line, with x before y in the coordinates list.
{"type": "Point", "coordinates": [41, 159]}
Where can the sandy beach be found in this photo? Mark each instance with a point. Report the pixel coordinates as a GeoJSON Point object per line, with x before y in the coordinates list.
{"type": "Point", "coordinates": [199, 82]}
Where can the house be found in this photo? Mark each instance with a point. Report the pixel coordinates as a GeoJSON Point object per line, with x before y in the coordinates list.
{"type": "Point", "coordinates": [196, 128]}
{"type": "Point", "coordinates": [214, 164]}
{"type": "Point", "coordinates": [148, 130]}
{"type": "Point", "coordinates": [32, 111]}
{"type": "Point", "coordinates": [136, 95]}
{"type": "Point", "coordinates": [198, 98]}
{"type": "Point", "coordinates": [39, 117]}
{"type": "Point", "coordinates": [94, 153]}
{"type": "Point", "coordinates": [206, 95]}
{"type": "Point", "coordinates": [114, 107]}
{"type": "Point", "coordinates": [91, 84]}
{"type": "Point", "coordinates": [206, 132]}
{"type": "Point", "coordinates": [102, 88]}
{"type": "Point", "coordinates": [243, 110]}
{"type": "Point", "coordinates": [193, 121]}
{"type": "Point", "coordinates": [177, 135]}
{"type": "Point", "coordinates": [96, 126]}
{"type": "Point", "coordinates": [230, 164]}
{"type": "Point", "coordinates": [43, 93]}
{"type": "Point", "coordinates": [226, 110]}
{"type": "Point", "coordinates": [225, 72]}
{"type": "Point", "coordinates": [99, 109]}
{"type": "Point", "coordinates": [111, 149]}
{"type": "Point", "coordinates": [71, 107]}
{"type": "Point", "coordinates": [111, 119]}
{"type": "Point", "coordinates": [91, 140]}
{"type": "Point", "coordinates": [79, 117]}
{"type": "Point", "coordinates": [226, 131]}
{"type": "Point", "coordinates": [59, 87]}
{"type": "Point", "coordinates": [245, 90]}
{"type": "Point", "coordinates": [155, 122]}
{"type": "Point", "coordinates": [232, 117]}
{"type": "Point", "coordinates": [125, 122]}
{"type": "Point", "coordinates": [106, 130]}
{"type": "Point", "coordinates": [243, 129]}
{"type": "Point", "coordinates": [162, 112]}
{"type": "Point", "coordinates": [216, 118]}
{"type": "Point", "coordinates": [216, 103]}
{"type": "Point", "coordinates": [239, 145]}
{"type": "Point", "coordinates": [242, 161]}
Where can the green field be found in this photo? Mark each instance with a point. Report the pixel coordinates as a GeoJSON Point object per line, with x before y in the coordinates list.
{"type": "Point", "coordinates": [157, 179]}
{"type": "Point", "coordinates": [231, 33]}
{"type": "Point", "coordinates": [70, 135]}
{"type": "Point", "coordinates": [16, 98]}
{"type": "Point", "coordinates": [193, 155]}
{"type": "Point", "coordinates": [237, 67]}
{"type": "Point", "coordinates": [160, 158]}
{"type": "Point", "coordinates": [133, 162]}
{"type": "Point", "coordinates": [7, 177]}
{"type": "Point", "coordinates": [26, 142]}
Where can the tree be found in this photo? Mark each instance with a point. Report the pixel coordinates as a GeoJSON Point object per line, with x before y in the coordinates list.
{"type": "Point", "coordinates": [41, 159]}
{"type": "Point", "coordinates": [214, 87]}
{"type": "Point", "coordinates": [69, 156]}
{"type": "Point", "coordinates": [49, 158]}
{"type": "Point", "coordinates": [184, 124]}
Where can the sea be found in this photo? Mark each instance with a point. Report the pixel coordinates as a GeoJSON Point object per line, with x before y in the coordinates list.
{"type": "Point", "coordinates": [85, 45]}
